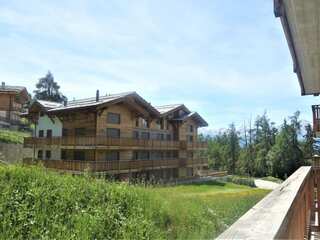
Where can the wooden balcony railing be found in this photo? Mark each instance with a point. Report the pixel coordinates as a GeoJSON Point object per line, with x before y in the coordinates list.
{"type": "Point", "coordinates": [96, 141]}
{"type": "Point", "coordinates": [288, 212]}
{"type": "Point", "coordinates": [116, 165]}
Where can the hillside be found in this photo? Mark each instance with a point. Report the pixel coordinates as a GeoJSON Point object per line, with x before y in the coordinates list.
{"type": "Point", "coordinates": [10, 136]}
{"type": "Point", "coordinates": [39, 204]}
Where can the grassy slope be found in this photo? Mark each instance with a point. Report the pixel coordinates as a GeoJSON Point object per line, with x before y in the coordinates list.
{"type": "Point", "coordinates": [39, 204]}
{"type": "Point", "coordinates": [205, 210]}
{"type": "Point", "coordinates": [9, 136]}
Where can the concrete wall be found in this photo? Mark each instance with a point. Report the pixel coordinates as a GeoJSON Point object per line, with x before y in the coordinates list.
{"type": "Point", "coordinates": [14, 153]}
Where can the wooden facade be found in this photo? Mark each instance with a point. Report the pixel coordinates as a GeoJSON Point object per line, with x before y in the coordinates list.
{"type": "Point", "coordinates": [12, 100]}
{"type": "Point", "coordinates": [125, 136]}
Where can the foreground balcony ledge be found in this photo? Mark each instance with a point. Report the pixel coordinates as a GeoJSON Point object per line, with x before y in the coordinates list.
{"type": "Point", "coordinates": [282, 214]}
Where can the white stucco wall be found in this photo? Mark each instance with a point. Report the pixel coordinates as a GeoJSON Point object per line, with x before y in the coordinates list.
{"type": "Point", "coordinates": [45, 123]}
{"type": "Point", "coordinates": [55, 152]}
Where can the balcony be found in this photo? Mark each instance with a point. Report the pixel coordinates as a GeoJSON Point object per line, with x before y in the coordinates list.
{"type": "Point", "coordinates": [116, 166]}
{"type": "Point", "coordinates": [316, 119]}
{"type": "Point", "coordinates": [289, 212]}
{"type": "Point", "coordinates": [101, 142]}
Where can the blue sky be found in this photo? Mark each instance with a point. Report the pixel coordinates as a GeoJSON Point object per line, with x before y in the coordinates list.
{"type": "Point", "coordinates": [226, 59]}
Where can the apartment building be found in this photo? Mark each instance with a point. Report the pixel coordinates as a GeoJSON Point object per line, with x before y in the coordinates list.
{"type": "Point", "coordinates": [120, 134]}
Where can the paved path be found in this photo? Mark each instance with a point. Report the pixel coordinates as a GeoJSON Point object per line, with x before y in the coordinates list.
{"type": "Point", "coordinates": [265, 184]}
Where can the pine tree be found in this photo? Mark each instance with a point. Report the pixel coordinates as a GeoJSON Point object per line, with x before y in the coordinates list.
{"type": "Point", "coordinates": [48, 89]}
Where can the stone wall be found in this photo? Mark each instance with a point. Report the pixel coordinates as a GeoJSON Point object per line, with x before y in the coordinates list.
{"type": "Point", "coordinates": [14, 153]}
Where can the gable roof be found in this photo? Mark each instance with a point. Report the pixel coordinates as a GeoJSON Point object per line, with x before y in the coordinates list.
{"type": "Point", "coordinates": [196, 116]}
{"type": "Point", "coordinates": [53, 107]}
{"type": "Point", "coordinates": [18, 90]}
{"type": "Point", "coordinates": [7, 88]}
{"type": "Point", "coordinates": [48, 104]}
{"type": "Point", "coordinates": [167, 109]}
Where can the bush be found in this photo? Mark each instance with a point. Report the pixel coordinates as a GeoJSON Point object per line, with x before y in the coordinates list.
{"type": "Point", "coordinates": [272, 179]}
{"type": "Point", "coordinates": [240, 180]}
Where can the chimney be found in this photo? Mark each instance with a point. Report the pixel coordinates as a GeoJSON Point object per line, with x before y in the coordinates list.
{"type": "Point", "coordinates": [3, 84]}
{"type": "Point", "coordinates": [97, 96]}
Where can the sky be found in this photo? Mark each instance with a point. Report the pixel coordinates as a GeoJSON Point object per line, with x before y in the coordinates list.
{"type": "Point", "coordinates": [228, 60]}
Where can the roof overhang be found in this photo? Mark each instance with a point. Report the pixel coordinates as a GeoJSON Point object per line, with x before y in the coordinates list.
{"type": "Point", "coordinates": [301, 23]}
{"type": "Point", "coordinates": [195, 116]}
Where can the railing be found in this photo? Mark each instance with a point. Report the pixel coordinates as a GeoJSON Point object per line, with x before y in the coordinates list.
{"type": "Point", "coordinates": [100, 141]}
{"type": "Point", "coordinates": [285, 213]}
{"type": "Point", "coordinates": [116, 165]}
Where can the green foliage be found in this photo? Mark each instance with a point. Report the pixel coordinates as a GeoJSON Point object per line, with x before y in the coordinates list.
{"type": "Point", "coordinates": [9, 136]}
{"type": "Point", "coordinates": [38, 204]}
{"type": "Point", "coordinates": [262, 149]}
{"type": "Point", "coordinates": [241, 180]}
{"type": "Point", "coordinates": [202, 210]}
{"type": "Point", "coordinates": [272, 179]}
{"type": "Point", "coordinates": [48, 89]}
{"type": "Point", "coordinates": [35, 204]}
{"type": "Point", "coordinates": [223, 150]}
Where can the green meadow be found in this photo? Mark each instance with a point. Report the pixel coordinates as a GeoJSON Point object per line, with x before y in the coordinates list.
{"type": "Point", "coordinates": [39, 204]}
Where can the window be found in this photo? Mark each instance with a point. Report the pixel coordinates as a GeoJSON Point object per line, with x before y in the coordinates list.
{"type": "Point", "coordinates": [40, 154]}
{"type": "Point", "coordinates": [162, 136]}
{"type": "Point", "coordinates": [41, 114]}
{"type": "Point", "coordinates": [144, 155]}
{"type": "Point", "coordinates": [80, 132]}
{"type": "Point", "coordinates": [48, 154]}
{"type": "Point", "coordinates": [162, 123]}
{"type": "Point", "coordinates": [49, 133]}
{"type": "Point", "coordinates": [112, 155]}
{"type": "Point", "coordinates": [113, 118]}
{"type": "Point", "coordinates": [63, 154]}
{"type": "Point", "coordinates": [190, 128]}
{"type": "Point", "coordinates": [135, 155]}
{"type": "Point", "coordinates": [79, 155]}
{"type": "Point", "coordinates": [145, 123]}
{"type": "Point", "coordinates": [145, 135]}
{"type": "Point", "coordinates": [135, 135]}
{"type": "Point", "coordinates": [137, 122]}
{"type": "Point", "coordinates": [113, 132]}
{"type": "Point", "coordinates": [169, 137]}
{"type": "Point", "coordinates": [64, 132]}
{"type": "Point", "coordinates": [158, 123]}
{"type": "Point", "coordinates": [190, 138]}
{"type": "Point", "coordinates": [41, 133]}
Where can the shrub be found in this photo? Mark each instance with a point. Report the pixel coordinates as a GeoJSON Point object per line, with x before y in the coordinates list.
{"type": "Point", "coordinates": [240, 180]}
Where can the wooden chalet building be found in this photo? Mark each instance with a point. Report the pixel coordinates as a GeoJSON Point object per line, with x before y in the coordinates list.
{"type": "Point", "coordinates": [12, 104]}
{"type": "Point", "coordinates": [120, 134]}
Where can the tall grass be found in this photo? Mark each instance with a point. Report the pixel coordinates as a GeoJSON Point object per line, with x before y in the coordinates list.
{"type": "Point", "coordinates": [39, 204]}
{"type": "Point", "coordinates": [36, 204]}
{"type": "Point", "coordinates": [10, 136]}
